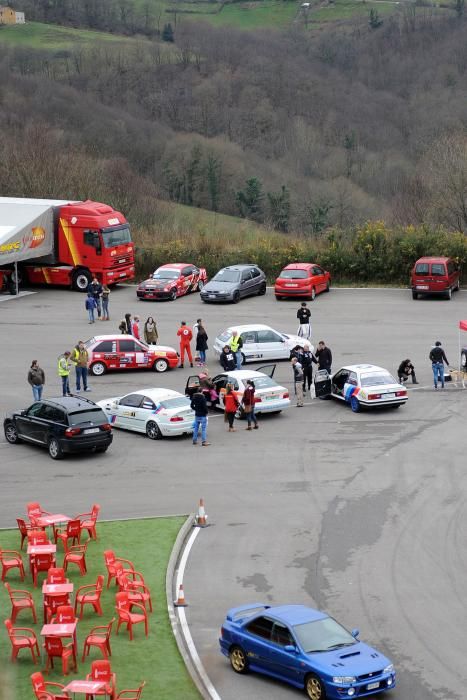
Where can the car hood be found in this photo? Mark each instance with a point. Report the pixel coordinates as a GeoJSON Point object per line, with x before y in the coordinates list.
{"type": "Point", "coordinates": [157, 283]}
{"type": "Point", "coordinates": [357, 660]}
{"type": "Point", "coordinates": [293, 340]}
{"type": "Point", "coordinates": [106, 404]}
{"type": "Point", "coordinates": [161, 348]}
{"type": "Point", "coordinates": [220, 286]}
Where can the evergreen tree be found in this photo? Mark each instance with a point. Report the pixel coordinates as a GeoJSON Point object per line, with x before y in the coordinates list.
{"type": "Point", "coordinates": [374, 20]}
{"type": "Point", "coordinates": [249, 200]}
{"type": "Point", "coordinates": [318, 215]}
{"type": "Point", "coordinates": [279, 209]}
{"type": "Point", "coordinates": [168, 33]}
{"type": "Point", "coordinates": [213, 175]}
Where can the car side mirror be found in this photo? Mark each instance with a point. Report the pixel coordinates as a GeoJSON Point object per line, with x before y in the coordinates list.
{"type": "Point", "coordinates": [23, 412]}
{"type": "Point", "coordinates": [355, 633]}
{"type": "Point", "coordinates": [290, 648]}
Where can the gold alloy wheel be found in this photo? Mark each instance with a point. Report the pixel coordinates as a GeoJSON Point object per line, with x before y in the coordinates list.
{"type": "Point", "coordinates": [314, 688]}
{"type": "Point", "coordinates": [238, 660]}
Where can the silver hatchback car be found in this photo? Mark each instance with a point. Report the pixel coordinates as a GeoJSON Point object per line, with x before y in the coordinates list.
{"type": "Point", "coordinates": [234, 282]}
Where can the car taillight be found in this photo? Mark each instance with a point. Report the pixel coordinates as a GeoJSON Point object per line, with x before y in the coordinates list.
{"type": "Point", "coordinates": [258, 399]}
{"type": "Point", "coordinates": [70, 432]}
{"type": "Point", "coordinates": [285, 395]}
{"type": "Point", "coordinates": [106, 426]}
{"type": "Point", "coordinates": [373, 396]}
{"type": "Point", "coordinates": [401, 393]}
{"type": "Point", "coordinates": [176, 419]}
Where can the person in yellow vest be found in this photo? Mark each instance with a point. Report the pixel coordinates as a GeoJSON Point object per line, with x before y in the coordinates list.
{"type": "Point", "coordinates": [236, 344]}
{"type": "Point", "coordinates": [80, 359]}
{"type": "Point", "coordinates": [64, 367]}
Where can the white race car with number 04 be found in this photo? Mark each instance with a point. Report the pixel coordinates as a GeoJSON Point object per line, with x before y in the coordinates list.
{"type": "Point", "coordinates": [155, 412]}
{"type": "Point", "coordinates": [367, 385]}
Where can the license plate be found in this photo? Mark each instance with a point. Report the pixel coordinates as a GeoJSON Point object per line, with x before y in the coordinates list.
{"type": "Point", "coordinates": [388, 396]}
{"type": "Point", "coordinates": [421, 286]}
{"type": "Point", "coordinates": [122, 260]}
{"type": "Point", "coordinates": [372, 686]}
{"type": "Point", "coordinates": [291, 285]}
{"type": "Point", "coordinates": [212, 296]}
{"type": "Point", "coordinates": [91, 430]}
{"type": "Point", "coordinates": [271, 398]}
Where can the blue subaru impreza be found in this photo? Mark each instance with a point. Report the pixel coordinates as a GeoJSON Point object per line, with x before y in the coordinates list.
{"type": "Point", "coordinates": [306, 648]}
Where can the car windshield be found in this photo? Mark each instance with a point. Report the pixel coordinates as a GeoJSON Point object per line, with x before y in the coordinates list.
{"type": "Point", "coordinates": [293, 274]}
{"type": "Point", "coordinates": [224, 336]}
{"type": "Point", "coordinates": [264, 383]}
{"type": "Point", "coordinates": [322, 635]}
{"type": "Point", "coordinates": [376, 379]}
{"type": "Point", "coordinates": [88, 415]}
{"type": "Point", "coordinates": [165, 275]}
{"type": "Point", "coordinates": [177, 402]}
{"type": "Point", "coordinates": [227, 276]}
{"type": "Point", "coordinates": [116, 235]}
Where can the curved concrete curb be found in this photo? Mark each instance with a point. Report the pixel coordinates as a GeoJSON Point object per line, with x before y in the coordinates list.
{"type": "Point", "coordinates": [174, 577]}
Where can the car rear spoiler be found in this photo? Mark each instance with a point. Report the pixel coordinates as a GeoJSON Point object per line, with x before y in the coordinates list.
{"type": "Point", "coordinates": [234, 614]}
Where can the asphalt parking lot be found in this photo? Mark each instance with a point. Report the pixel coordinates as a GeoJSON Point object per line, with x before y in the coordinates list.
{"type": "Point", "coordinates": [362, 515]}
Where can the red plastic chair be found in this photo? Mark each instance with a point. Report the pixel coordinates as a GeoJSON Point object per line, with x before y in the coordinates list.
{"type": "Point", "coordinates": [39, 686]}
{"type": "Point", "coordinates": [133, 583]}
{"type": "Point", "coordinates": [35, 511]}
{"type": "Point", "coordinates": [65, 615]}
{"type": "Point", "coordinates": [56, 575]}
{"type": "Point", "coordinates": [41, 562]}
{"type": "Point", "coordinates": [110, 563]}
{"type": "Point", "coordinates": [37, 537]}
{"type": "Point", "coordinates": [90, 595]}
{"type": "Point", "coordinates": [55, 649]}
{"type": "Point", "coordinates": [71, 532]}
{"type": "Point", "coordinates": [134, 694]}
{"type": "Point", "coordinates": [89, 520]}
{"type": "Point", "coordinates": [101, 671]}
{"type": "Point", "coordinates": [20, 600]}
{"type": "Point", "coordinates": [128, 618]}
{"type": "Point", "coordinates": [22, 638]}
{"type": "Point", "coordinates": [52, 603]}
{"type": "Point", "coordinates": [10, 559]}
{"type": "Point", "coordinates": [76, 555]}
{"type": "Point", "coordinates": [23, 528]}
{"type": "Point", "coordinates": [99, 638]}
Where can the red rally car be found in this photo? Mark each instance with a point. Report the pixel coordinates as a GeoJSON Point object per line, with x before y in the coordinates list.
{"type": "Point", "coordinates": [302, 280]}
{"type": "Point", "coordinates": [173, 280]}
{"type": "Point", "coordinates": [107, 352]}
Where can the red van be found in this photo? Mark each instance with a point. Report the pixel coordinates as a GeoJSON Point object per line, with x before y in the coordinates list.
{"type": "Point", "coordinates": [435, 276]}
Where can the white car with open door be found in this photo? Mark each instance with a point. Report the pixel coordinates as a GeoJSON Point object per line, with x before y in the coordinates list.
{"type": "Point", "coordinates": [368, 386]}
{"type": "Point", "coordinates": [260, 342]}
{"type": "Point", "coordinates": [155, 412]}
{"type": "Point", "coordinates": [270, 397]}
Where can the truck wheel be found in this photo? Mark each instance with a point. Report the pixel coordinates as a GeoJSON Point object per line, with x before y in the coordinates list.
{"type": "Point", "coordinates": [80, 280]}
{"type": "Point", "coordinates": [98, 369]}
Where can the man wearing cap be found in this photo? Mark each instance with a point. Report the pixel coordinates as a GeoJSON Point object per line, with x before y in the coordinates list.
{"type": "Point", "coordinates": [438, 359]}
{"type": "Point", "coordinates": [64, 367]}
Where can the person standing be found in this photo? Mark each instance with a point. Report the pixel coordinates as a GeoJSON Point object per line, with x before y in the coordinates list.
{"type": "Point", "coordinates": [105, 303]}
{"type": "Point", "coordinates": [135, 327]}
{"type": "Point", "coordinates": [306, 359]}
{"type": "Point", "coordinates": [236, 344]}
{"type": "Point", "coordinates": [324, 356]}
{"type": "Point", "coordinates": [95, 289]}
{"type": "Point", "coordinates": [64, 367]}
{"type": "Point", "coordinates": [122, 327]}
{"type": "Point", "coordinates": [200, 407]}
{"type": "Point", "coordinates": [406, 370]}
{"type": "Point", "coordinates": [248, 402]}
{"type": "Point", "coordinates": [438, 359]}
{"type": "Point", "coordinates": [298, 381]}
{"type": "Point", "coordinates": [80, 358]}
{"type": "Point", "coordinates": [201, 344]}
{"type": "Point", "coordinates": [150, 331]}
{"type": "Point", "coordinates": [91, 306]}
{"type": "Point", "coordinates": [230, 407]}
{"type": "Point", "coordinates": [186, 336]}
{"type": "Point", "coordinates": [227, 359]}
{"type": "Point", "coordinates": [36, 378]}
{"type": "Point", "coordinates": [199, 322]}
{"type": "Point", "coordinates": [304, 321]}
{"type": "Point", "coordinates": [128, 324]}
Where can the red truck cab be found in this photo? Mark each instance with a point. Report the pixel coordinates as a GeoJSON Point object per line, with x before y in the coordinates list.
{"type": "Point", "coordinates": [435, 275]}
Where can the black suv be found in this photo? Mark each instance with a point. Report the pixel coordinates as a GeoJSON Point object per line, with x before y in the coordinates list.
{"type": "Point", "coordinates": [68, 424]}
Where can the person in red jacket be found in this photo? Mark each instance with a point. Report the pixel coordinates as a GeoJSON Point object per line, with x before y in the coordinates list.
{"type": "Point", "coordinates": [186, 335]}
{"type": "Point", "coordinates": [135, 327]}
{"type": "Point", "coordinates": [230, 407]}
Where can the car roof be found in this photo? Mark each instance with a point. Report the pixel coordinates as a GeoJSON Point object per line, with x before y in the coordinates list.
{"type": "Point", "coordinates": [432, 258]}
{"type": "Point", "coordinates": [115, 336]}
{"type": "Point", "coordinates": [250, 327]}
{"type": "Point", "coordinates": [295, 614]}
{"type": "Point", "coordinates": [241, 266]}
{"type": "Point", "coordinates": [299, 266]}
{"type": "Point", "coordinates": [157, 393]}
{"type": "Point", "coordinates": [174, 265]}
{"type": "Point", "coordinates": [244, 373]}
{"type": "Point", "coordinates": [70, 403]}
{"type": "Point", "coordinates": [365, 368]}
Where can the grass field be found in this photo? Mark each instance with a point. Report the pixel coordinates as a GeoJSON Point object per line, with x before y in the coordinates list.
{"type": "Point", "coordinates": [49, 36]}
{"type": "Point", "coordinates": [155, 659]}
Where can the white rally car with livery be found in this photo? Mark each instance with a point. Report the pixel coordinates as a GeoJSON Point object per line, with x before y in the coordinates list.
{"type": "Point", "coordinates": [260, 342]}
{"type": "Point", "coordinates": [368, 386]}
{"type": "Point", "coordinates": [156, 412]}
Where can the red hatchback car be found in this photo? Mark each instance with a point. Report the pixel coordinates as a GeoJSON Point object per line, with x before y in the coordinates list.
{"type": "Point", "coordinates": [173, 280]}
{"type": "Point", "coordinates": [435, 276]}
{"type": "Point", "coordinates": [302, 280]}
{"type": "Point", "coordinates": [122, 352]}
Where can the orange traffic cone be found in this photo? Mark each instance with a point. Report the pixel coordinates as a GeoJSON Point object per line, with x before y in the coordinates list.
{"type": "Point", "coordinates": [201, 517]}
{"type": "Point", "coordinates": [180, 602]}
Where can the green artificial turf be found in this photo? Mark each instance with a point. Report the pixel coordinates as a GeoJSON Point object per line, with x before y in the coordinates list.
{"type": "Point", "coordinates": [155, 659]}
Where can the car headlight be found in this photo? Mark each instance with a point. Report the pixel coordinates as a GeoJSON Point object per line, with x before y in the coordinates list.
{"type": "Point", "coordinates": [344, 679]}
{"type": "Point", "coordinates": [389, 669]}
